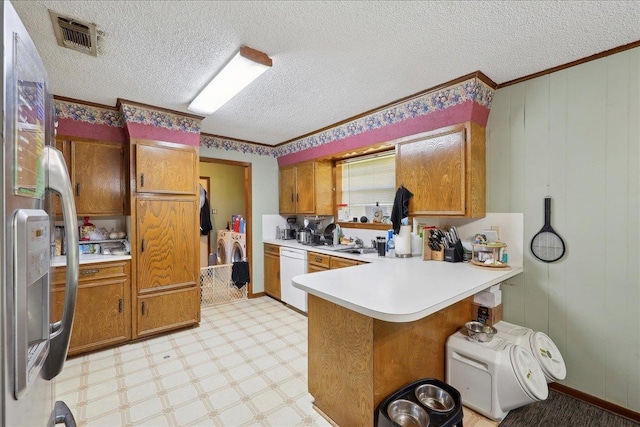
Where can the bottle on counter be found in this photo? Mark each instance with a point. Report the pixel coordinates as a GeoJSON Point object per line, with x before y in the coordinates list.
{"type": "Point", "coordinates": [392, 248]}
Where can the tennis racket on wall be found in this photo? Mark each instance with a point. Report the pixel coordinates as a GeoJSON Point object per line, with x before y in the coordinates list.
{"type": "Point", "coordinates": [547, 245]}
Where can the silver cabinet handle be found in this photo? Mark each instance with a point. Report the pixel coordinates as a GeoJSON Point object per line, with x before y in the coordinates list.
{"type": "Point", "coordinates": [60, 183]}
{"type": "Point", "coordinates": [88, 272]}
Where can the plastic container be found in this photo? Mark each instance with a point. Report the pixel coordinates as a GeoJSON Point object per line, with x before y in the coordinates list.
{"type": "Point", "coordinates": [86, 229]}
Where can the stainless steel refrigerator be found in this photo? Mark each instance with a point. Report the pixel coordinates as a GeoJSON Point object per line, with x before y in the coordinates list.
{"type": "Point", "coordinates": [34, 348]}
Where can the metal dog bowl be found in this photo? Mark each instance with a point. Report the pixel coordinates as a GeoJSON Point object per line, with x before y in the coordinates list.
{"type": "Point", "coordinates": [480, 332]}
{"type": "Point", "coordinates": [407, 414]}
{"type": "Point", "coordinates": [435, 398]}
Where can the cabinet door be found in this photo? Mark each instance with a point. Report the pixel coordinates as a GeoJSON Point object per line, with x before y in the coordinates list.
{"type": "Point", "coordinates": [163, 311]}
{"type": "Point", "coordinates": [272, 275]}
{"type": "Point", "coordinates": [166, 168]}
{"type": "Point", "coordinates": [102, 311]}
{"type": "Point", "coordinates": [97, 177]}
{"type": "Point", "coordinates": [433, 169]}
{"type": "Point", "coordinates": [166, 243]}
{"type": "Point", "coordinates": [287, 191]}
{"type": "Point", "coordinates": [305, 188]}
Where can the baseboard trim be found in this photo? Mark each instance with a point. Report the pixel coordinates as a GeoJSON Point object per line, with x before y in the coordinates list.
{"type": "Point", "coordinates": [607, 406]}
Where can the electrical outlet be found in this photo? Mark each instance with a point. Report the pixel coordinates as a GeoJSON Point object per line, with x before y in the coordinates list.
{"type": "Point", "coordinates": [214, 211]}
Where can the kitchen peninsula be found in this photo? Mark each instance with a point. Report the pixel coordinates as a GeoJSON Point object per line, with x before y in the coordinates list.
{"type": "Point", "coordinates": [376, 327]}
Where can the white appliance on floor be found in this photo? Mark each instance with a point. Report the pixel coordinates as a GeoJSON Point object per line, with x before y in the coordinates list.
{"type": "Point", "coordinates": [223, 248]}
{"type": "Point", "coordinates": [238, 247]}
{"type": "Point", "coordinates": [493, 377]}
{"type": "Point", "coordinates": [293, 262]}
{"type": "Point", "coordinates": [540, 345]}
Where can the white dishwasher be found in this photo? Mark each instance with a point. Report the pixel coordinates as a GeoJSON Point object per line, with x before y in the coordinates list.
{"type": "Point", "coordinates": [293, 262]}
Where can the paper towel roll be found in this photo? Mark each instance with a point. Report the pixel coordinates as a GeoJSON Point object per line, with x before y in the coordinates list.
{"type": "Point", "coordinates": [403, 240]}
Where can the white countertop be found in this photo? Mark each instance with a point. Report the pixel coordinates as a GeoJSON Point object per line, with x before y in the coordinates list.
{"type": "Point", "coordinates": [397, 289]}
{"type": "Point", "coordinates": [61, 261]}
{"type": "Point", "coordinates": [401, 290]}
{"type": "Point", "coordinates": [320, 249]}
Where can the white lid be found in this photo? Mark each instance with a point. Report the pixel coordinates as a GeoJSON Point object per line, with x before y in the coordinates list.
{"type": "Point", "coordinates": [548, 356]}
{"type": "Point", "coordinates": [529, 373]}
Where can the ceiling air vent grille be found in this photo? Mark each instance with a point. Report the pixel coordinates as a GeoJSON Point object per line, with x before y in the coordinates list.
{"type": "Point", "coordinates": [75, 34]}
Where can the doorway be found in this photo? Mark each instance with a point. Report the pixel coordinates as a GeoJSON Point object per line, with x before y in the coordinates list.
{"type": "Point", "coordinates": [229, 193]}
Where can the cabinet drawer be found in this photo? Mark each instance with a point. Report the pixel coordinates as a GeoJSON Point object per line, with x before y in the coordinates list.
{"type": "Point", "coordinates": [342, 262]}
{"type": "Point", "coordinates": [271, 249]}
{"type": "Point", "coordinates": [90, 272]}
{"type": "Point", "coordinates": [320, 260]}
{"type": "Point", "coordinates": [315, 268]}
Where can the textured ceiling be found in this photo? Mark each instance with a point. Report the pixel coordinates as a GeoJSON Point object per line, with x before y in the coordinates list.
{"type": "Point", "coordinates": [331, 59]}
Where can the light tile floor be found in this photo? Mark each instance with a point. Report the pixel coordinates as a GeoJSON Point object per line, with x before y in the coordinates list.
{"type": "Point", "coordinates": [245, 365]}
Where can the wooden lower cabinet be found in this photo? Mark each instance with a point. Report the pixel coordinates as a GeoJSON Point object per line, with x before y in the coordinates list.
{"type": "Point", "coordinates": [355, 361]}
{"type": "Point", "coordinates": [272, 270]}
{"type": "Point", "coordinates": [167, 274]}
{"type": "Point", "coordinates": [320, 262]}
{"type": "Point", "coordinates": [337, 262]}
{"type": "Point", "coordinates": [162, 311]}
{"type": "Point", "coordinates": [103, 308]}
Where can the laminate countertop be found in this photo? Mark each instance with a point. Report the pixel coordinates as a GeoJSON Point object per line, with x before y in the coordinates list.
{"type": "Point", "coordinates": [401, 289]}
{"type": "Point", "coordinates": [61, 261]}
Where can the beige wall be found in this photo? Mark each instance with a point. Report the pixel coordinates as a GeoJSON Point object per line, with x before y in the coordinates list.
{"type": "Point", "coordinates": [575, 135]}
{"type": "Point", "coordinates": [226, 193]}
{"type": "Point", "coordinates": [264, 194]}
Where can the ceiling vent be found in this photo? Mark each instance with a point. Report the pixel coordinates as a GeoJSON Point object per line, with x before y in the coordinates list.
{"type": "Point", "coordinates": [75, 34]}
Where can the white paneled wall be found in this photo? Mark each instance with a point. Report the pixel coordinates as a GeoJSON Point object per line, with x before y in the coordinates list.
{"type": "Point", "coordinates": [574, 135]}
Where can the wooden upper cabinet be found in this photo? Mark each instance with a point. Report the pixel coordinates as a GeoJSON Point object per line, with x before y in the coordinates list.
{"type": "Point", "coordinates": [287, 190]}
{"type": "Point", "coordinates": [97, 173]}
{"type": "Point", "coordinates": [163, 167]}
{"type": "Point", "coordinates": [445, 170]}
{"type": "Point", "coordinates": [97, 177]}
{"type": "Point", "coordinates": [306, 188]}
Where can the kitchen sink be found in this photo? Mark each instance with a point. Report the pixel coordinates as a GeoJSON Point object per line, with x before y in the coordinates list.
{"type": "Point", "coordinates": [359, 251]}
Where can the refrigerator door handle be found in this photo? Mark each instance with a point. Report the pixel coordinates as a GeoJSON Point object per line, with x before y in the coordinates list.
{"type": "Point", "coordinates": [59, 182]}
{"type": "Point", "coordinates": [64, 415]}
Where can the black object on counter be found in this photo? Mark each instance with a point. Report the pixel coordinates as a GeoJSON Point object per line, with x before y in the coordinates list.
{"type": "Point", "coordinates": [436, 418]}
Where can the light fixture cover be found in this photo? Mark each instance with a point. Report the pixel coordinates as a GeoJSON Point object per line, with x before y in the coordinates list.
{"type": "Point", "coordinates": [243, 68]}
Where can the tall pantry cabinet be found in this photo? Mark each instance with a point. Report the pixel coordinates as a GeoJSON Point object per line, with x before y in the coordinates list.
{"type": "Point", "coordinates": [164, 229]}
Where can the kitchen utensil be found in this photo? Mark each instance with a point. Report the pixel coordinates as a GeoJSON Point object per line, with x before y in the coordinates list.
{"type": "Point", "coordinates": [479, 331]}
{"type": "Point", "coordinates": [407, 413]}
{"type": "Point", "coordinates": [547, 245]}
{"type": "Point", "coordinates": [305, 236]}
{"type": "Point", "coordinates": [328, 231]}
{"type": "Point", "coordinates": [435, 398]}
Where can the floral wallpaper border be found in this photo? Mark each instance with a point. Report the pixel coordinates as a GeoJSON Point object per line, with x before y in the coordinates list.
{"type": "Point", "coordinates": [159, 119]}
{"type": "Point", "coordinates": [230, 145]}
{"type": "Point", "coordinates": [473, 89]}
{"type": "Point", "coordinates": [89, 114]}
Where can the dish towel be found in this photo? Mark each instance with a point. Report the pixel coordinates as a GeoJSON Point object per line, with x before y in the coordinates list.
{"type": "Point", "coordinates": [240, 273]}
{"type": "Point", "coordinates": [400, 207]}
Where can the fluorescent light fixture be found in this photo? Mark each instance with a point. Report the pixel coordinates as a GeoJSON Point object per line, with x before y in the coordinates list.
{"type": "Point", "coordinates": [243, 68]}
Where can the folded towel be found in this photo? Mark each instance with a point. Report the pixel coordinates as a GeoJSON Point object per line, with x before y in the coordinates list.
{"type": "Point", "coordinates": [400, 207]}
{"type": "Point", "coordinates": [240, 273]}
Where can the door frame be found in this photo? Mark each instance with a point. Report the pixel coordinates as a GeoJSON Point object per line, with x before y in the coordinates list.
{"type": "Point", "coordinates": [248, 209]}
{"type": "Point", "coordinates": [205, 181]}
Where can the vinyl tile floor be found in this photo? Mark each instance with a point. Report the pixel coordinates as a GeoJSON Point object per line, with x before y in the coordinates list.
{"type": "Point", "coordinates": [245, 365]}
